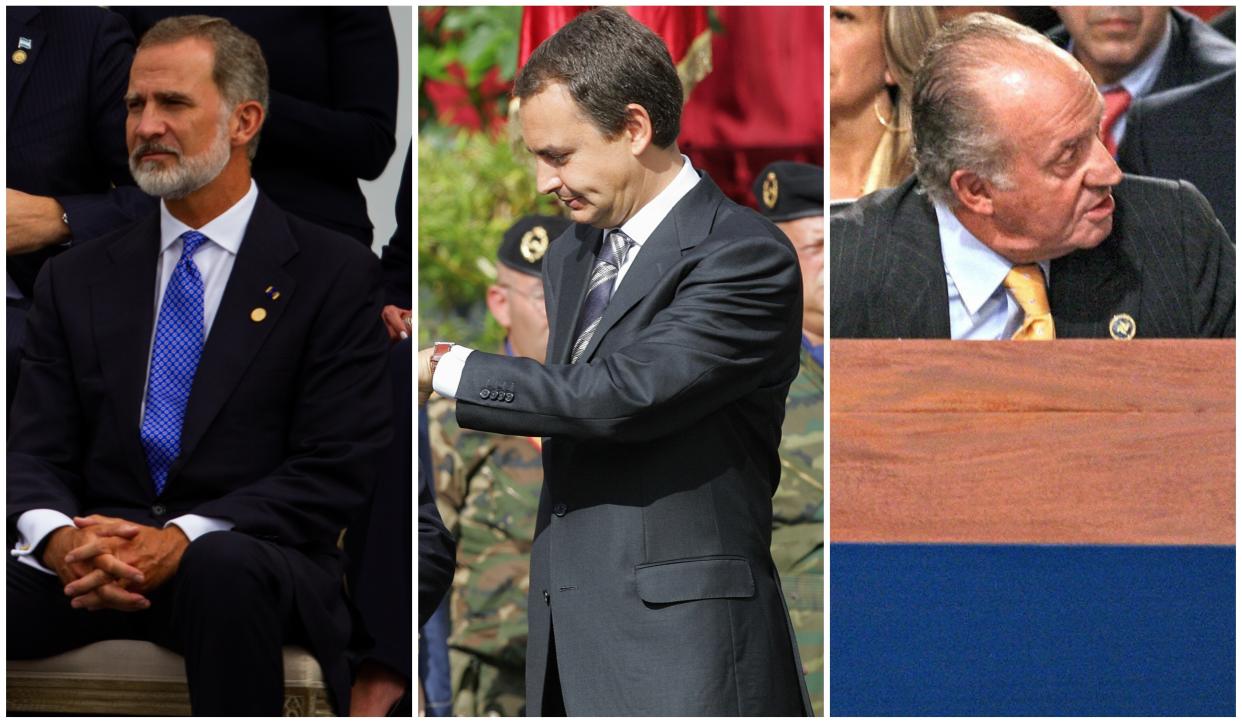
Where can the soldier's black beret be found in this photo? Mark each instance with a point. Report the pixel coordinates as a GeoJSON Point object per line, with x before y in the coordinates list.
{"type": "Point", "coordinates": [526, 241]}
{"type": "Point", "coordinates": [786, 191]}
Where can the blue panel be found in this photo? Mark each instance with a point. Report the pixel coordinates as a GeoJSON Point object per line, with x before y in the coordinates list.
{"type": "Point", "coordinates": [921, 629]}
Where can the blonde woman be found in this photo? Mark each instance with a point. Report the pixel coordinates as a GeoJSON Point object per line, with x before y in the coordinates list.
{"type": "Point", "coordinates": [872, 55]}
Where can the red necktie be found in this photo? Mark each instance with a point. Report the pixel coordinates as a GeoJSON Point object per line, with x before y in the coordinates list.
{"type": "Point", "coordinates": [1116, 102]}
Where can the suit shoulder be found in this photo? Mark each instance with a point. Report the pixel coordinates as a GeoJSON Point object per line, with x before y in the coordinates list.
{"type": "Point", "coordinates": [1206, 47]}
{"type": "Point", "coordinates": [738, 221]}
{"type": "Point", "coordinates": [1155, 206]}
{"type": "Point", "coordinates": [326, 243]}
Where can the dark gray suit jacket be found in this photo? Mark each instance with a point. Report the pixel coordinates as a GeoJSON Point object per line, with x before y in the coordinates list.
{"type": "Point", "coordinates": [651, 546]}
{"type": "Point", "coordinates": [1167, 263]}
{"type": "Point", "coordinates": [1196, 52]}
{"type": "Point", "coordinates": [1188, 134]}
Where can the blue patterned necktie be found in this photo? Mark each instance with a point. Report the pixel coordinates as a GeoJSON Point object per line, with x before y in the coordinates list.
{"type": "Point", "coordinates": [174, 359]}
{"type": "Point", "coordinates": [611, 258]}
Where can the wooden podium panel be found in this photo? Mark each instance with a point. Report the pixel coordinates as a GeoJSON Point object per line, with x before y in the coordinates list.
{"type": "Point", "coordinates": [1069, 442]}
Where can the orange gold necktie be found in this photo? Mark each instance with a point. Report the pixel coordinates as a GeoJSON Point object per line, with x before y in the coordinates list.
{"type": "Point", "coordinates": [1026, 283]}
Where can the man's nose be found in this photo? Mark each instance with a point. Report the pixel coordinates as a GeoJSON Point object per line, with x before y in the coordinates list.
{"type": "Point", "coordinates": [150, 124]}
{"type": "Point", "coordinates": [547, 180]}
{"type": "Point", "coordinates": [1103, 170]}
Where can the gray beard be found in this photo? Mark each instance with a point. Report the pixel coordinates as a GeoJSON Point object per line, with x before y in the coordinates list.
{"type": "Point", "coordinates": [185, 176]}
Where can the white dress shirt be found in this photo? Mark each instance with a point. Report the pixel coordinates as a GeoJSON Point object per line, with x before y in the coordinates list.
{"type": "Point", "coordinates": [639, 227]}
{"type": "Point", "coordinates": [215, 263]}
{"type": "Point", "coordinates": [980, 307]}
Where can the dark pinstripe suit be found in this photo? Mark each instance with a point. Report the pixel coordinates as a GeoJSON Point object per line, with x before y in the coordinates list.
{"type": "Point", "coordinates": [1167, 263]}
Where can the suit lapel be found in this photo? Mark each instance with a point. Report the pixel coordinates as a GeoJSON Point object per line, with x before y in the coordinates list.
{"type": "Point", "coordinates": [915, 295]}
{"type": "Point", "coordinates": [575, 270]}
{"type": "Point", "coordinates": [19, 73]}
{"type": "Point", "coordinates": [235, 336]}
{"type": "Point", "coordinates": [685, 225]}
{"type": "Point", "coordinates": [1090, 288]}
{"type": "Point", "coordinates": [122, 318]}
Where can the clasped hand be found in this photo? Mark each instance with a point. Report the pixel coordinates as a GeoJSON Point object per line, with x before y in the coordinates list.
{"type": "Point", "coordinates": [110, 563]}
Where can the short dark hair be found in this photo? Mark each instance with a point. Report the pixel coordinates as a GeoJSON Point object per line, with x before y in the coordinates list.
{"type": "Point", "coordinates": [607, 60]}
{"type": "Point", "coordinates": [239, 70]}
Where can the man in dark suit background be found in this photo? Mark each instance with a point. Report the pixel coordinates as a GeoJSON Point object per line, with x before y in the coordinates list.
{"type": "Point", "coordinates": [652, 589]}
{"type": "Point", "coordinates": [1131, 52]}
{"type": "Point", "coordinates": [202, 399]}
{"type": "Point", "coordinates": [68, 180]}
{"type": "Point", "coordinates": [1016, 191]}
{"type": "Point", "coordinates": [1188, 133]}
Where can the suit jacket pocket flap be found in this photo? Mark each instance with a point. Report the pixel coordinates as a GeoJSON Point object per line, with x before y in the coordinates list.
{"type": "Point", "coordinates": [687, 579]}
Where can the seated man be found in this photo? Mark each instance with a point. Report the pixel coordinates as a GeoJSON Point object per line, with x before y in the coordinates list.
{"type": "Point", "coordinates": [1016, 191]}
{"type": "Point", "coordinates": [187, 465]}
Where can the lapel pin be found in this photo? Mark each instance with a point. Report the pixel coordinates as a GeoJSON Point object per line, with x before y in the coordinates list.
{"type": "Point", "coordinates": [258, 314]}
{"type": "Point", "coordinates": [19, 55]}
{"type": "Point", "coordinates": [1122, 327]}
{"type": "Point", "coordinates": [271, 292]}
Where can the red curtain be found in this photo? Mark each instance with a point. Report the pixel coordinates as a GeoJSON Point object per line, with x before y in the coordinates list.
{"type": "Point", "coordinates": [763, 100]}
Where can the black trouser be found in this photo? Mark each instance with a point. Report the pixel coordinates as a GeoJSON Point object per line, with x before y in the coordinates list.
{"type": "Point", "coordinates": [228, 611]}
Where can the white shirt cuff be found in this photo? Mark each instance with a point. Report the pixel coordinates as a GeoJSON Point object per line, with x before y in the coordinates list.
{"type": "Point", "coordinates": [447, 377]}
{"type": "Point", "coordinates": [32, 527]}
{"type": "Point", "coordinates": [195, 526]}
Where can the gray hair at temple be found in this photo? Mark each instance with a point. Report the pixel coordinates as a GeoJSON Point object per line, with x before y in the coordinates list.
{"type": "Point", "coordinates": [952, 127]}
{"type": "Point", "coordinates": [239, 70]}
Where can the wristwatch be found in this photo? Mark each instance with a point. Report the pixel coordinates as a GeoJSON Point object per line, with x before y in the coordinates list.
{"type": "Point", "coordinates": [437, 352]}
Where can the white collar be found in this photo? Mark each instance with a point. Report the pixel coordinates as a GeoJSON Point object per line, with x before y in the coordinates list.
{"type": "Point", "coordinates": [225, 230]}
{"type": "Point", "coordinates": [642, 224]}
{"type": "Point", "coordinates": [977, 271]}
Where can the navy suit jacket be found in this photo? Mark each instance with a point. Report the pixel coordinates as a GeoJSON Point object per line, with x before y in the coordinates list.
{"type": "Point", "coordinates": [285, 418]}
{"type": "Point", "coordinates": [651, 563]}
{"type": "Point", "coordinates": [1196, 52]}
{"type": "Point", "coordinates": [1167, 263]}
{"type": "Point", "coordinates": [1188, 133]}
{"type": "Point", "coordinates": [333, 113]}
{"type": "Point", "coordinates": [66, 116]}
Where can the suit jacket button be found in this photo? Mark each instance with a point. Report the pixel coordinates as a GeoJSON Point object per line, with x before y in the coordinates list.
{"type": "Point", "coordinates": [483, 394]}
{"type": "Point", "coordinates": [508, 397]}
{"type": "Point", "coordinates": [559, 509]}
{"type": "Point", "coordinates": [158, 510]}
{"type": "Point", "coordinates": [547, 599]}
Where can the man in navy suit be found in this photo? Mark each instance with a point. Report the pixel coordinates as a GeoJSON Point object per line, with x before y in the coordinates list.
{"type": "Point", "coordinates": [1131, 52]}
{"type": "Point", "coordinates": [202, 401]}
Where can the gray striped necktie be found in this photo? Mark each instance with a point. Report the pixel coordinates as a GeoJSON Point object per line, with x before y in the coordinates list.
{"type": "Point", "coordinates": [611, 258]}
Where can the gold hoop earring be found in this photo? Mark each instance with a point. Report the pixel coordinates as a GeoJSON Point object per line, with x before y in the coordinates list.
{"type": "Point", "coordinates": [876, 108]}
{"type": "Point", "coordinates": [888, 124]}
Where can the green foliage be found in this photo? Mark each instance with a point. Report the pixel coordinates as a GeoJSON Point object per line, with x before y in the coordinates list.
{"type": "Point", "coordinates": [471, 188]}
{"type": "Point", "coordinates": [477, 39]}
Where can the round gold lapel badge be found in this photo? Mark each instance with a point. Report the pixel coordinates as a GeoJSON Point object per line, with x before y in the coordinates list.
{"type": "Point", "coordinates": [1122, 327]}
{"type": "Point", "coordinates": [19, 56]}
{"type": "Point", "coordinates": [258, 314]}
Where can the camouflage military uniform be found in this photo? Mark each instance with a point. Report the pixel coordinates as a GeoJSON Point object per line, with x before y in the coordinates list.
{"type": "Point", "coordinates": [798, 519]}
{"type": "Point", "coordinates": [487, 490]}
